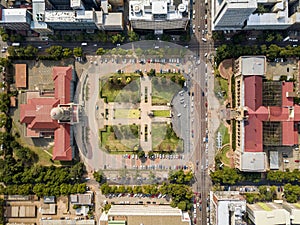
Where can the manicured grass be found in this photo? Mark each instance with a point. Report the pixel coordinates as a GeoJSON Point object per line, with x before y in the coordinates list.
{"type": "Point", "coordinates": [127, 113]}
{"type": "Point", "coordinates": [163, 90]}
{"type": "Point", "coordinates": [264, 206]}
{"type": "Point", "coordinates": [297, 205]}
{"type": "Point", "coordinates": [164, 138]}
{"type": "Point", "coordinates": [45, 159]}
{"type": "Point", "coordinates": [221, 87]}
{"type": "Point", "coordinates": [162, 113]}
{"type": "Point", "coordinates": [224, 157]}
{"type": "Point", "coordinates": [120, 138]}
{"type": "Point", "coordinates": [121, 88]}
{"type": "Point", "coordinates": [224, 133]}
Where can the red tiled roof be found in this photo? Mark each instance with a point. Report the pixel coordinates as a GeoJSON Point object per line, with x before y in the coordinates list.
{"type": "Point", "coordinates": [287, 87]}
{"type": "Point", "coordinates": [62, 149]}
{"type": "Point", "coordinates": [62, 77]}
{"type": "Point", "coordinates": [253, 134]}
{"type": "Point", "coordinates": [289, 133]}
{"type": "Point", "coordinates": [258, 113]}
{"type": "Point", "coordinates": [253, 91]}
{"type": "Point", "coordinates": [36, 114]}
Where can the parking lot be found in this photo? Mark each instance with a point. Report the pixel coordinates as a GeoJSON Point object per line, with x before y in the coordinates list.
{"type": "Point", "coordinates": [137, 199]}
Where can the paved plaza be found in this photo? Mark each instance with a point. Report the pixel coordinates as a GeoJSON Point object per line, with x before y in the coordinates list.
{"type": "Point", "coordinates": [87, 132]}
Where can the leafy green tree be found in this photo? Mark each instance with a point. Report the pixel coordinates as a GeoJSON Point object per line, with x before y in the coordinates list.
{"type": "Point", "coordinates": [141, 154]}
{"type": "Point", "coordinates": [132, 36]}
{"type": "Point", "coordinates": [5, 37]}
{"type": "Point", "coordinates": [5, 62]}
{"type": "Point", "coordinates": [117, 38]}
{"type": "Point", "coordinates": [270, 37]}
{"type": "Point", "coordinates": [55, 51]}
{"type": "Point", "coordinates": [100, 51]}
{"type": "Point", "coordinates": [107, 207]}
{"type": "Point", "coordinates": [30, 51]}
{"type": "Point", "coordinates": [76, 171]}
{"type": "Point", "coordinates": [78, 52]}
{"type": "Point", "coordinates": [182, 205]}
{"type": "Point", "coordinates": [152, 73]}
{"type": "Point", "coordinates": [105, 189]}
{"type": "Point", "coordinates": [98, 176]}
{"type": "Point", "coordinates": [179, 177]}
{"type": "Point", "coordinates": [67, 53]}
{"type": "Point", "coordinates": [225, 175]}
{"type": "Point", "coordinates": [102, 37]}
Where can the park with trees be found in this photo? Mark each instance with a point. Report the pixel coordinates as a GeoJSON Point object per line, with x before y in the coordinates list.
{"type": "Point", "coordinates": [177, 189]}
{"type": "Point", "coordinates": [290, 179]}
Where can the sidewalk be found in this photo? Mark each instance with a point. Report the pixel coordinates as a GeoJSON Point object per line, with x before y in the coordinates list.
{"type": "Point", "coordinates": [213, 112]}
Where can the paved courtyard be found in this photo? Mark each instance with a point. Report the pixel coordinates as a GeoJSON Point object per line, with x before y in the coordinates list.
{"type": "Point", "coordinates": [87, 132]}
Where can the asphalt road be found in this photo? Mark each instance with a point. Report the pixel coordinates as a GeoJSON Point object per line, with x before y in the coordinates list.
{"type": "Point", "coordinates": [204, 159]}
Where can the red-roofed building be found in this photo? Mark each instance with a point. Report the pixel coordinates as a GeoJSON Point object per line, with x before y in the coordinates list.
{"type": "Point", "coordinates": [52, 115]}
{"type": "Point", "coordinates": [265, 115]}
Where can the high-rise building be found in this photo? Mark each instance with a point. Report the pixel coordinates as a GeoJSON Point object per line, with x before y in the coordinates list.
{"type": "Point", "coordinates": [158, 15]}
{"type": "Point", "coordinates": [15, 19]}
{"type": "Point", "coordinates": [227, 208]}
{"type": "Point", "coordinates": [232, 14]}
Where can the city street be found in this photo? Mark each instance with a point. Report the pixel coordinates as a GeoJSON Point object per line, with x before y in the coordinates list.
{"type": "Point", "coordinates": [206, 106]}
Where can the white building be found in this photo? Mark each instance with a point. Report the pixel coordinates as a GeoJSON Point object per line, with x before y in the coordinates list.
{"type": "Point", "coordinates": [246, 14]}
{"type": "Point", "coordinates": [226, 208]}
{"type": "Point", "coordinates": [268, 214]}
{"type": "Point", "coordinates": [232, 14]}
{"type": "Point", "coordinates": [158, 15]}
{"type": "Point", "coordinates": [15, 19]}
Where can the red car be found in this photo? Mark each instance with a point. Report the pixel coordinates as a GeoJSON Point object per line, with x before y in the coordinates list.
{"type": "Point", "coordinates": [195, 221]}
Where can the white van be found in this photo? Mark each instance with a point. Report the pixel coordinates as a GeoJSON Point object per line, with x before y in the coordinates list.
{"type": "Point", "coordinates": [83, 44]}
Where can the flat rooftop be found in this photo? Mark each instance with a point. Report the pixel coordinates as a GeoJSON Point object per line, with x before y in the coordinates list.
{"type": "Point", "coordinates": [262, 206]}
{"type": "Point", "coordinates": [253, 65]}
{"type": "Point", "coordinates": [228, 195]}
{"type": "Point", "coordinates": [144, 210]}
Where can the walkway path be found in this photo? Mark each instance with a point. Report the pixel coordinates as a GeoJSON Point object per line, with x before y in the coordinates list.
{"type": "Point", "coordinates": [144, 120]}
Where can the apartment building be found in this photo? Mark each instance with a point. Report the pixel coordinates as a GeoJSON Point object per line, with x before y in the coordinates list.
{"type": "Point", "coordinates": [158, 15]}
{"type": "Point", "coordinates": [255, 14]}
{"type": "Point", "coordinates": [227, 208]}
{"type": "Point", "coordinates": [47, 16]}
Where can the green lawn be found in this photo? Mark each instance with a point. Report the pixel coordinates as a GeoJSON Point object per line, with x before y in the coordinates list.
{"type": "Point", "coordinates": [121, 88]}
{"type": "Point", "coordinates": [127, 113]}
{"type": "Point", "coordinates": [221, 88]}
{"type": "Point", "coordinates": [223, 153]}
{"type": "Point", "coordinates": [162, 113]}
{"type": "Point", "coordinates": [120, 138]}
{"type": "Point", "coordinates": [163, 90]}
{"type": "Point", "coordinates": [224, 133]}
{"type": "Point", "coordinates": [164, 138]}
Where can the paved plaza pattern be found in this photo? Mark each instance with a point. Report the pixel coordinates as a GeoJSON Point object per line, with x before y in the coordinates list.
{"type": "Point", "coordinates": [95, 109]}
{"type": "Point", "coordinates": [144, 119]}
